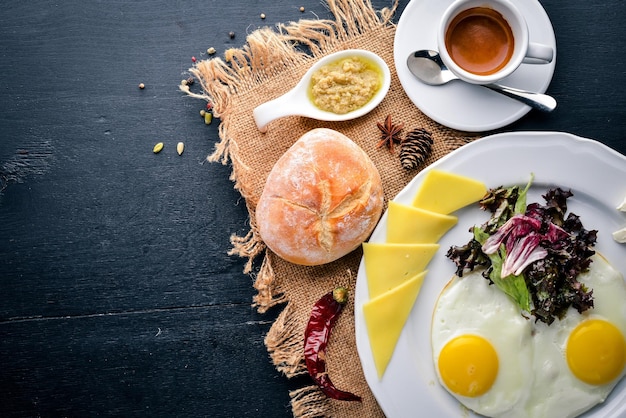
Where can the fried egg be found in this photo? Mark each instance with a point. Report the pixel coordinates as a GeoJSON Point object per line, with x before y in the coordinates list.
{"type": "Point", "coordinates": [562, 369]}
{"type": "Point", "coordinates": [482, 346]}
{"type": "Point", "coordinates": [579, 359]}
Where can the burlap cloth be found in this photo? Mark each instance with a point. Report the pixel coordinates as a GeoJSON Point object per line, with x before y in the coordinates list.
{"type": "Point", "coordinates": [268, 65]}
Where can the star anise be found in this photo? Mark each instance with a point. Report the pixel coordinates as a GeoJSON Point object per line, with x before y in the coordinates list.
{"type": "Point", "coordinates": [390, 133]}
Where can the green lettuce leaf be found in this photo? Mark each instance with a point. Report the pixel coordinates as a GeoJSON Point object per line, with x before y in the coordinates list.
{"type": "Point", "coordinates": [520, 204]}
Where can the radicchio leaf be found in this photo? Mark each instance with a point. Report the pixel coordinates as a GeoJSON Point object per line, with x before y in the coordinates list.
{"type": "Point", "coordinates": [511, 284]}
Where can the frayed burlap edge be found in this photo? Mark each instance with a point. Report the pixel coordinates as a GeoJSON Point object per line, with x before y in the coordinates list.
{"type": "Point", "coordinates": [267, 54]}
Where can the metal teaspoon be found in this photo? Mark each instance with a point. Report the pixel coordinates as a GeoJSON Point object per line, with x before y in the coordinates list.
{"type": "Point", "coordinates": [427, 66]}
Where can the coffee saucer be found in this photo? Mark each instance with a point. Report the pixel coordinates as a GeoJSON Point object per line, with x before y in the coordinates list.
{"type": "Point", "coordinates": [459, 105]}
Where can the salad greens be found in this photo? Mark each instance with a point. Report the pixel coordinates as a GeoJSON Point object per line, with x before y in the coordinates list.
{"type": "Point", "coordinates": [531, 252]}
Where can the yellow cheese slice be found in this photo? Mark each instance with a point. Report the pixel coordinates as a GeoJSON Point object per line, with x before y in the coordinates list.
{"type": "Point", "coordinates": [388, 265]}
{"type": "Point", "coordinates": [445, 192]}
{"type": "Point", "coordinates": [411, 225]}
{"type": "Point", "coordinates": [385, 316]}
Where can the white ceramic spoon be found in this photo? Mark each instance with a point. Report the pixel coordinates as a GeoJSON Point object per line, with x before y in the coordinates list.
{"type": "Point", "coordinates": [297, 103]}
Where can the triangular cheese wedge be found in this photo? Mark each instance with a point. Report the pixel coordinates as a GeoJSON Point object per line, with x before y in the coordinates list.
{"type": "Point", "coordinates": [387, 265]}
{"type": "Point", "coordinates": [385, 316]}
{"type": "Point", "coordinates": [444, 192]}
{"type": "Point", "coordinates": [411, 225]}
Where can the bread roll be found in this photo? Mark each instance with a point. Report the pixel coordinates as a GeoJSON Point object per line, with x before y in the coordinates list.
{"type": "Point", "coordinates": [321, 200]}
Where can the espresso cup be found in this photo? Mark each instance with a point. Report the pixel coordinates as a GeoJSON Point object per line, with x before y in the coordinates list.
{"type": "Point", "coordinates": [484, 41]}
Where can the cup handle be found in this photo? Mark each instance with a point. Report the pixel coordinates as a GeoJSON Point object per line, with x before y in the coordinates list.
{"type": "Point", "coordinates": [538, 54]}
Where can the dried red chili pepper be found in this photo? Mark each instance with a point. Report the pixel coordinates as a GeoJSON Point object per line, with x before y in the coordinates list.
{"type": "Point", "coordinates": [323, 316]}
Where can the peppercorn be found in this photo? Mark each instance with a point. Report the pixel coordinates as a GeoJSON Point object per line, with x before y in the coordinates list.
{"type": "Point", "coordinates": [302, 9]}
{"type": "Point", "coordinates": [211, 51]}
{"type": "Point", "coordinates": [262, 15]}
{"type": "Point", "coordinates": [142, 86]}
{"type": "Point", "coordinates": [231, 34]}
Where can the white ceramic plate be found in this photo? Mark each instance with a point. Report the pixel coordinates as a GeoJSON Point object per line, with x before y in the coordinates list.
{"type": "Point", "coordinates": [596, 175]}
{"type": "Point", "coordinates": [460, 105]}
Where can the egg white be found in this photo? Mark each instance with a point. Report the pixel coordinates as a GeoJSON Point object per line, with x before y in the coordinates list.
{"type": "Point", "coordinates": [534, 379]}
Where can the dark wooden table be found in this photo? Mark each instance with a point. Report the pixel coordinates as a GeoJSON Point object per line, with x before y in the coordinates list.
{"type": "Point", "coordinates": [117, 297]}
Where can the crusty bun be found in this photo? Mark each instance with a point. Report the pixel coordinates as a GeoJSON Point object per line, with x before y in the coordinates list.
{"type": "Point", "coordinates": [321, 200]}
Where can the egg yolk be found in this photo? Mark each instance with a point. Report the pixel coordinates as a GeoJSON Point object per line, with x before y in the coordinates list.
{"type": "Point", "coordinates": [596, 352]}
{"type": "Point", "coordinates": [468, 365]}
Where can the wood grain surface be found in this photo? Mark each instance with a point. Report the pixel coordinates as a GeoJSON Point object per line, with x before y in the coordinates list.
{"type": "Point", "coordinates": [117, 296]}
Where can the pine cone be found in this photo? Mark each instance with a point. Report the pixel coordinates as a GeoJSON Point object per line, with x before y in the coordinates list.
{"type": "Point", "coordinates": [416, 148]}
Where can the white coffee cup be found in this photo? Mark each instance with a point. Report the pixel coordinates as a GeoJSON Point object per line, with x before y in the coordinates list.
{"type": "Point", "coordinates": [474, 62]}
